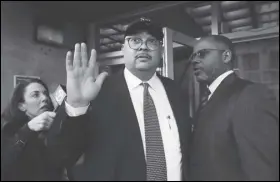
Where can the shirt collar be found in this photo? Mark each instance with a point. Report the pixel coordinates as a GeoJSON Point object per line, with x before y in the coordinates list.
{"type": "Point", "coordinates": [214, 85]}
{"type": "Point", "coordinates": [133, 81]}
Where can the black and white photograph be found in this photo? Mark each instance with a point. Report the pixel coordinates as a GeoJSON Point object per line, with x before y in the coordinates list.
{"type": "Point", "coordinates": [139, 90]}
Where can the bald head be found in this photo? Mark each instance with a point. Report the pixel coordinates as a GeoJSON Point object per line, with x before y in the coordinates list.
{"type": "Point", "coordinates": [219, 41]}
{"type": "Point", "coordinates": [213, 55]}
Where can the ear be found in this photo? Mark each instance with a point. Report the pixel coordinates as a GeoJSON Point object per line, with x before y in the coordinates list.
{"type": "Point", "coordinates": [21, 107]}
{"type": "Point", "coordinates": [227, 56]}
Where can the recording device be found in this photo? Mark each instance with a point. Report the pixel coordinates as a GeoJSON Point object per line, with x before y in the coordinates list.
{"type": "Point", "coordinates": [59, 96]}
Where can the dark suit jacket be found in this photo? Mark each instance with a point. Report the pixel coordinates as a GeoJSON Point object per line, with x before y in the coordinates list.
{"type": "Point", "coordinates": [236, 135]}
{"type": "Point", "coordinates": [109, 134]}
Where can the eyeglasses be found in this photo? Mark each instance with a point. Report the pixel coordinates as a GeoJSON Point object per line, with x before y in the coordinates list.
{"type": "Point", "coordinates": [202, 53]}
{"type": "Point", "coordinates": [136, 43]}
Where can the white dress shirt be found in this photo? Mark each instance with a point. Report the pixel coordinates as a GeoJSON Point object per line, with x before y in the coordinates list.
{"type": "Point", "coordinates": [167, 122]}
{"type": "Point", "coordinates": [214, 85]}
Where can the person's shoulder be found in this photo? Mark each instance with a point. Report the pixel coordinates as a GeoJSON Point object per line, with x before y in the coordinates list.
{"type": "Point", "coordinates": [174, 87]}
{"type": "Point", "coordinates": [4, 122]}
{"type": "Point", "coordinates": [6, 126]}
{"type": "Point", "coordinates": [6, 119]}
{"type": "Point", "coordinates": [256, 91]}
{"type": "Point", "coordinates": [168, 81]}
{"type": "Point", "coordinates": [254, 87]}
{"type": "Point", "coordinates": [111, 84]}
{"type": "Point", "coordinates": [111, 80]}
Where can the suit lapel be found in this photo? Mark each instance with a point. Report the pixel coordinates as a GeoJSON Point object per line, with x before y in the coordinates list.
{"type": "Point", "coordinates": [128, 118]}
{"type": "Point", "coordinates": [124, 104]}
{"type": "Point", "coordinates": [221, 93]}
{"type": "Point", "coordinates": [122, 97]}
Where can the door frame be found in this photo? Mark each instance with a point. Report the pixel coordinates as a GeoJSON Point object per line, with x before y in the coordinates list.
{"type": "Point", "coordinates": [171, 36]}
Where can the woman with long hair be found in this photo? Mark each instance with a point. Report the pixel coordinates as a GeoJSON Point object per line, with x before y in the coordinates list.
{"type": "Point", "coordinates": [28, 116]}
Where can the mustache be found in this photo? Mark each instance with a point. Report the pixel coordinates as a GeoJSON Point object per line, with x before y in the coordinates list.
{"type": "Point", "coordinates": [143, 55]}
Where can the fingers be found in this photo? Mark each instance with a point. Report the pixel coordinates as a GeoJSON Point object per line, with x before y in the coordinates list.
{"type": "Point", "coordinates": [51, 114]}
{"type": "Point", "coordinates": [77, 56]}
{"type": "Point", "coordinates": [100, 78]}
{"type": "Point", "coordinates": [69, 61]}
{"type": "Point", "coordinates": [47, 122]}
{"type": "Point", "coordinates": [80, 57]}
{"type": "Point", "coordinates": [45, 126]}
{"type": "Point", "coordinates": [41, 126]}
{"type": "Point", "coordinates": [48, 114]}
{"type": "Point", "coordinates": [84, 55]}
{"type": "Point", "coordinates": [92, 59]}
{"type": "Point", "coordinates": [47, 119]}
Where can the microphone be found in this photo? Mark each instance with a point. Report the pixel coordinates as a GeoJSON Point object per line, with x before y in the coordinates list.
{"type": "Point", "coordinates": [59, 96]}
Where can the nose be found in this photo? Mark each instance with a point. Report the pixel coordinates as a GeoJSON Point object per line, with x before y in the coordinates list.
{"type": "Point", "coordinates": [143, 46]}
{"type": "Point", "coordinates": [195, 60]}
{"type": "Point", "coordinates": [44, 98]}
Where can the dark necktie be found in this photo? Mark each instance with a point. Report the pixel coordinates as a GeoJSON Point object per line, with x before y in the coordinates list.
{"type": "Point", "coordinates": [156, 164]}
{"type": "Point", "coordinates": [205, 92]}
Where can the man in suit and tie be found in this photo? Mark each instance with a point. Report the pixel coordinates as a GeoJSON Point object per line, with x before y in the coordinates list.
{"type": "Point", "coordinates": [135, 125]}
{"type": "Point", "coordinates": [236, 130]}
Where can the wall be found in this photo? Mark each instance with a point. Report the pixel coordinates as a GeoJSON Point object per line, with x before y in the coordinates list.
{"type": "Point", "coordinates": [20, 55]}
{"type": "Point", "coordinates": [258, 61]}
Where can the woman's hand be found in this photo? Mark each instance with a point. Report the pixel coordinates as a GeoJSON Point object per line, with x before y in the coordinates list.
{"type": "Point", "coordinates": [42, 122]}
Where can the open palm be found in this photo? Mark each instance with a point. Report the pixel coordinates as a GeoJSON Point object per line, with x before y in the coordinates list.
{"type": "Point", "coordinates": [81, 85]}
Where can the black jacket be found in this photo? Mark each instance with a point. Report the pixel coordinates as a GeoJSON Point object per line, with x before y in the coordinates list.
{"type": "Point", "coordinates": [23, 155]}
{"type": "Point", "coordinates": [109, 134]}
{"type": "Point", "coordinates": [236, 135]}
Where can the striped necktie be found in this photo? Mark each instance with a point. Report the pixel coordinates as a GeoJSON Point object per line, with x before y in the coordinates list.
{"type": "Point", "coordinates": [205, 92]}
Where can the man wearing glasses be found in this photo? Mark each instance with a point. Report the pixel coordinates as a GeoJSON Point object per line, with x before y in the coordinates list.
{"type": "Point", "coordinates": [236, 130]}
{"type": "Point", "coordinates": [137, 126]}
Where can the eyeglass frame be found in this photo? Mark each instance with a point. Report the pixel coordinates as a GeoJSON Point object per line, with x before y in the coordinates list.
{"type": "Point", "coordinates": [129, 38]}
{"type": "Point", "coordinates": [194, 55]}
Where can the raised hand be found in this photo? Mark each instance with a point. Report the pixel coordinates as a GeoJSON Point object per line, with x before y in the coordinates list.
{"type": "Point", "coordinates": [81, 85]}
